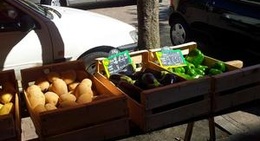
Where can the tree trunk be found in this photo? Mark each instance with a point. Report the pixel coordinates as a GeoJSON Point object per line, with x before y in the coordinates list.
{"type": "Point", "coordinates": [148, 24]}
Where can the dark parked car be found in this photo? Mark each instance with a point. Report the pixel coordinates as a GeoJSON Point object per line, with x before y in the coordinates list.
{"type": "Point", "coordinates": [239, 16]}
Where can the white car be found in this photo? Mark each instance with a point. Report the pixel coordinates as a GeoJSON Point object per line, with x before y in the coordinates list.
{"type": "Point", "coordinates": [33, 35]}
{"type": "Point", "coordinates": [73, 2]}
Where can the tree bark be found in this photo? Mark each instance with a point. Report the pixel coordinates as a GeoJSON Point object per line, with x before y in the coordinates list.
{"type": "Point", "coordinates": [148, 24]}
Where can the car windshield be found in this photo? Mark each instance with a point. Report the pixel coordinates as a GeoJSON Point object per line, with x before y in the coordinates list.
{"type": "Point", "coordinates": [38, 8]}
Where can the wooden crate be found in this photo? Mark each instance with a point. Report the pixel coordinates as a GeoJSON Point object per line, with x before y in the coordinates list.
{"type": "Point", "coordinates": [10, 125]}
{"type": "Point", "coordinates": [162, 106]}
{"type": "Point", "coordinates": [83, 120]}
{"type": "Point", "coordinates": [230, 89]}
{"type": "Point", "coordinates": [236, 88]}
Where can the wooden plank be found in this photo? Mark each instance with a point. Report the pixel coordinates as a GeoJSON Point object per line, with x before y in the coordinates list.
{"type": "Point", "coordinates": [237, 78]}
{"type": "Point", "coordinates": [82, 116]}
{"type": "Point", "coordinates": [236, 88]}
{"type": "Point", "coordinates": [177, 115]}
{"type": "Point", "coordinates": [172, 93]}
{"type": "Point", "coordinates": [237, 98]}
{"type": "Point", "coordinates": [104, 131]}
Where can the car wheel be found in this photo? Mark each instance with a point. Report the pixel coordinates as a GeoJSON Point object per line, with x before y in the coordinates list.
{"type": "Point", "coordinates": [179, 31]}
{"type": "Point", "coordinates": [89, 60]}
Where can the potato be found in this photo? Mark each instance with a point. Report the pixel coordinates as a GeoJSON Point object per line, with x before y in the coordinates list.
{"type": "Point", "coordinates": [6, 108]}
{"type": "Point", "coordinates": [83, 87]}
{"type": "Point", "coordinates": [49, 106]}
{"type": "Point", "coordinates": [69, 76]}
{"type": "Point", "coordinates": [43, 83]}
{"type": "Point", "coordinates": [1, 105]}
{"type": "Point", "coordinates": [39, 108]}
{"type": "Point", "coordinates": [67, 103]}
{"type": "Point", "coordinates": [52, 76]}
{"type": "Point", "coordinates": [32, 89]}
{"type": "Point", "coordinates": [51, 97]}
{"type": "Point", "coordinates": [34, 101]}
{"type": "Point", "coordinates": [87, 82]}
{"type": "Point", "coordinates": [35, 96]}
{"type": "Point", "coordinates": [59, 86]}
{"type": "Point", "coordinates": [84, 98]}
{"type": "Point", "coordinates": [72, 86]}
{"type": "Point", "coordinates": [67, 97]}
{"type": "Point", "coordinates": [5, 97]}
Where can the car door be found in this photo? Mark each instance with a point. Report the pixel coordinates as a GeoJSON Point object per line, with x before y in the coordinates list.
{"type": "Point", "coordinates": [241, 16]}
{"type": "Point", "coordinates": [19, 49]}
{"type": "Point", "coordinates": [25, 40]}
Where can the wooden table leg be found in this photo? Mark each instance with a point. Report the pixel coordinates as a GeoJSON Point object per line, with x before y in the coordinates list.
{"type": "Point", "coordinates": [212, 132]}
{"type": "Point", "coordinates": [188, 132]}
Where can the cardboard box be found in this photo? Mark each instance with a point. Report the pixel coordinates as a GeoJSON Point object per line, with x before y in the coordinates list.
{"type": "Point", "coordinates": [10, 124]}
{"type": "Point", "coordinates": [162, 106]}
{"type": "Point", "coordinates": [88, 121]}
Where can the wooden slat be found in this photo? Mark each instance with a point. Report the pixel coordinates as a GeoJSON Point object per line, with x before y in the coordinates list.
{"type": "Point", "coordinates": [177, 115]}
{"type": "Point", "coordinates": [161, 96]}
{"type": "Point", "coordinates": [104, 131]}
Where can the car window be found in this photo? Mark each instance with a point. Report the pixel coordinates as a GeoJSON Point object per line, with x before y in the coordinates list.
{"type": "Point", "coordinates": [38, 8]}
{"type": "Point", "coordinates": [8, 17]}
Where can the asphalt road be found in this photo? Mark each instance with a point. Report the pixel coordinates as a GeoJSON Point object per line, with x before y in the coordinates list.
{"type": "Point", "coordinates": [127, 12]}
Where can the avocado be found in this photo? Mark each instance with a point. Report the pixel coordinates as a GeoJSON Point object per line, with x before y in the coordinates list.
{"type": "Point", "coordinates": [168, 78]}
{"type": "Point", "coordinates": [149, 81]}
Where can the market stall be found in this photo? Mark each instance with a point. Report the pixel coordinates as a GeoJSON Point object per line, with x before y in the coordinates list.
{"type": "Point", "coordinates": [150, 89]}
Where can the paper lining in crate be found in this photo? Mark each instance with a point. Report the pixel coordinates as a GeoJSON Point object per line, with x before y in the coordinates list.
{"type": "Point", "coordinates": [164, 105]}
{"type": "Point", "coordinates": [66, 103]}
{"type": "Point", "coordinates": [10, 120]}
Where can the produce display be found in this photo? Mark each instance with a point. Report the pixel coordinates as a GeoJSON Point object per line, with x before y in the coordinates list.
{"type": "Point", "coordinates": [145, 78]}
{"type": "Point", "coordinates": [60, 90]}
{"type": "Point", "coordinates": [195, 68]}
{"type": "Point", "coordinates": [133, 83]}
{"type": "Point", "coordinates": [7, 93]}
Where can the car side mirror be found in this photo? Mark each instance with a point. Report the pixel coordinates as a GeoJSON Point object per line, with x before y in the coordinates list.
{"type": "Point", "coordinates": [26, 23]}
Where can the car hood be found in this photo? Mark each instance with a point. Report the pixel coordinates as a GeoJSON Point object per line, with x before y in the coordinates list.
{"type": "Point", "coordinates": [84, 30]}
